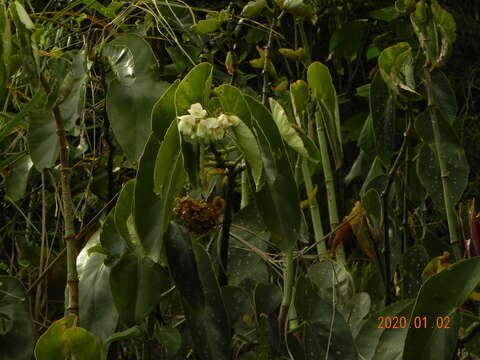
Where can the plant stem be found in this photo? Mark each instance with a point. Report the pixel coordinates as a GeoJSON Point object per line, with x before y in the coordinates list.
{"type": "Point", "coordinates": [444, 174]}
{"type": "Point", "coordinates": [67, 204]}
{"type": "Point", "coordinates": [288, 276]}
{"type": "Point", "coordinates": [314, 210]}
{"type": "Point", "coordinates": [329, 183]}
{"type": "Point", "coordinates": [245, 191]}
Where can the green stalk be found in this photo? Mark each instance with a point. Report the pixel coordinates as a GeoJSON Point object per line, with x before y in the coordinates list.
{"type": "Point", "coordinates": [67, 204]}
{"type": "Point", "coordinates": [245, 191]}
{"type": "Point", "coordinates": [329, 183]}
{"type": "Point", "coordinates": [314, 210]}
{"type": "Point", "coordinates": [444, 173]}
{"type": "Point", "coordinates": [288, 277]}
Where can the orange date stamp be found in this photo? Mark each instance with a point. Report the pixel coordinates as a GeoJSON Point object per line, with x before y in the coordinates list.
{"type": "Point", "coordinates": [417, 322]}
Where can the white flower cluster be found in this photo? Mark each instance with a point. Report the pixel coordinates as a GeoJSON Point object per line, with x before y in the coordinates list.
{"type": "Point", "coordinates": [198, 127]}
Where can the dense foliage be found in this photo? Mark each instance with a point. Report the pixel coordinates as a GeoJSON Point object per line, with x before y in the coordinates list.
{"type": "Point", "coordinates": [283, 179]}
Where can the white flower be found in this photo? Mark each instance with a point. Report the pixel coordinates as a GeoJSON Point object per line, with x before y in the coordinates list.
{"type": "Point", "coordinates": [202, 129]}
{"type": "Point", "coordinates": [211, 123]}
{"type": "Point", "coordinates": [197, 111]}
{"type": "Point", "coordinates": [217, 133]}
{"type": "Point", "coordinates": [186, 124]}
{"type": "Point", "coordinates": [224, 120]}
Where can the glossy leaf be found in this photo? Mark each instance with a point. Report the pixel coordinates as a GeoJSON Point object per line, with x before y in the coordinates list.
{"type": "Point", "coordinates": [133, 93]}
{"type": "Point", "coordinates": [233, 102]}
{"type": "Point", "coordinates": [123, 211]}
{"type": "Point", "coordinates": [97, 310]}
{"type": "Point", "coordinates": [444, 97]}
{"type": "Point", "coordinates": [320, 81]}
{"type": "Point", "coordinates": [64, 340]}
{"type": "Point", "coordinates": [247, 143]}
{"type": "Point", "coordinates": [370, 333]}
{"type": "Point", "coordinates": [288, 133]}
{"type": "Point", "coordinates": [110, 238]}
{"type": "Point", "coordinates": [382, 109]}
{"type": "Point", "coordinates": [253, 8]}
{"type": "Point", "coordinates": [169, 174]}
{"type": "Point", "coordinates": [147, 206]}
{"type": "Point", "coordinates": [437, 300]}
{"type": "Point", "coordinates": [194, 88]}
{"type": "Point", "coordinates": [195, 279]}
{"type": "Point", "coordinates": [164, 112]}
{"type": "Point", "coordinates": [279, 187]}
{"type": "Point", "coordinates": [136, 283]}
{"type": "Point", "coordinates": [43, 139]}
{"type": "Point", "coordinates": [16, 328]}
{"type": "Point", "coordinates": [326, 334]}
{"type": "Point", "coordinates": [429, 174]}
{"type": "Point", "coordinates": [16, 182]}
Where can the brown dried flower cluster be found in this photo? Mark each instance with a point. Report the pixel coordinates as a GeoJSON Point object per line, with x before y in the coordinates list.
{"type": "Point", "coordinates": [198, 216]}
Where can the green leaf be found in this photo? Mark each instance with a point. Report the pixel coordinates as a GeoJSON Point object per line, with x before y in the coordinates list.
{"type": "Point", "coordinates": [130, 333]}
{"type": "Point", "coordinates": [147, 206]}
{"type": "Point", "coordinates": [397, 67]}
{"type": "Point", "coordinates": [444, 97]}
{"type": "Point", "coordinates": [253, 8]}
{"type": "Point", "coordinates": [296, 7]}
{"type": "Point", "coordinates": [164, 112]}
{"type": "Point", "coordinates": [438, 300]}
{"type": "Point", "coordinates": [207, 26]}
{"type": "Point", "coordinates": [446, 30]}
{"type": "Point", "coordinates": [23, 16]}
{"type": "Point", "coordinates": [278, 202]}
{"type": "Point", "coordinates": [110, 239]}
{"type": "Point", "coordinates": [16, 181]}
{"type": "Point", "coordinates": [170, 338]}
{"type": "Point", "coordinates": [73, 104]}
{"type": "Point", "coordinates": [5, 52]}
{"type": "Point", "coordinates": [326, 334]}
{"type": "Point", "coordinates": [388, 14]}
{"type": "Point", "coordinates": [206, 316]}
{"type": "Point", "coordinates": [348, 40]}
{"type": "Point", "coordinates": [136, 283]}
{"type": "Point", "coordinates": [233, 102]}
{"type": "Point", "coordinates": [123, 211]}
{"type": "Point", "coordinates": [320, 81]}
{"type": "Point", "coordinates": [194, 88]}
{"type": "Point", "coordinates": [16, 328]}
{"type": "Point", "coordinates": [370, 333]}
{"type": "Point", "coordinates": [169, 174]}
{"type": "Point", "coordinates": [64, 340]}
{"type": "Point", "coordinates": [382, 109]}
{"type": "Point", "coordinates": [288, 133]}
{"type": "Point", "coordinates": [428, 171]}
{"type": "Point", "coordinates": [133, 93]}
{"type": "Point", "coordinates": [97, 310]}
{"type": "Point", "coordinates": [42, 139]}
{"type": "Point", "coordinates": [247, 143]}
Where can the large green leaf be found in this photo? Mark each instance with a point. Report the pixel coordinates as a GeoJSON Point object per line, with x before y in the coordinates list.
{"type": "Point", "coordinates": [428, 171]}
{"type": "Point", "coordinates": [441, 296]}
{"type": "Point", "coordinates": [63, 340]}
{"type": "Point", "coordinates": [326, 334]}
{"type": "Point", "coordinates": [169, 175]}
{"type": "Point", "coordinates": [110, 238]}
{"type": "Point", "coordinates": [370, 333]}
{"type": "Point", "coordinates": [288, 133]}
{"type": "Point", "coordinates": [16, 182]}
{"type": "Point", "coordinates": [43, 139]}
{"type": "Point", "coordinates": [194, 88]}
{"type": "Point", "coordinates": [97, 310]}
{"type": "Point", "coordinates": [16, 328]}
{"type": "Point", "coordinates": [277, 201]}
{"type": "Point", "coordinates": [164, 111]}
{"type": "Point", "coordinates": [382, 109]}
{"type": "Point", "coordinates": [206, 316]}
{"type": "Point", "coordinates": [444, 97]}
{"type": "Point", "coordinates": [147, 206]}
{"type": "Point", "coordinates": [320, 81]}
{"type": "Point", "coordinates": [73, 103]}
{"type": "Point", "coordinates": [123, 211]}
{"type": "Point", "coordinates": [133, 92]}
{"type": "Point", "coordinates": [397, 68]}
{"type": "Point", "coordinates": [233, 102]}
{"type": "Point", "coordinates": [136, 283]}
{"type": "Point", "coordinates": [5, 52]}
